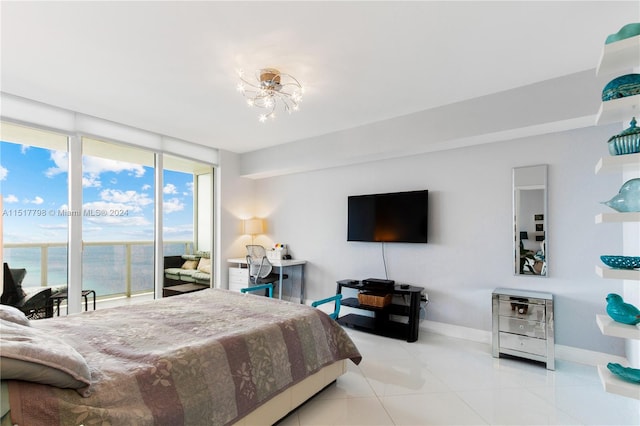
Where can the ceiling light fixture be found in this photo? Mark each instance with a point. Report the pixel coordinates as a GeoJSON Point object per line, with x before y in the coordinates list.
{"type": "Point", "coordinates": [270, 88]}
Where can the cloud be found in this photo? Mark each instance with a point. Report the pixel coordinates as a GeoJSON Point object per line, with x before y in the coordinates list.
{"type": "Point", "coordinates": [37, 200]}
{"type": "Point", "coordinates": [104, 205]}
{"type": "Point", "coordinates": [132, 199]}
{"type": "Point", "coordinates": [96, 166]}
{"type": "Point", "coordinates": [11, 199]}
{"type": "Point", "coordinates": [170, 189]}
{"type": "Point", "coordinates": [91, 182]}
{"type": "Point", "coordinates": [172, 205]}
{"type": "Point", "coordinates": [92, 168]}
{"type": "Point", "coordinates": [3, 173]}
{"type": "Point", "coordinates": [190, 187]}
{"type": "Point", "coordinates": [146, 187]}
{"type": "Point", "coordinates": [177, 233]}
{"type": "Point", "coordinates": [58, 226]}
{"type": "Point", "coordinates": [180, 230]}
{"type": "Point", "coordinates": [105, 213]}
{"type": "Point", "coordinates": [116, 207]}
{"type": "Point", "coordinates": [138, 221]}
{"type": "Point", "coordinates": [60, 159]}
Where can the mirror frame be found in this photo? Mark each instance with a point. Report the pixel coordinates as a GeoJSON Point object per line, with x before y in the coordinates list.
{"type": "Point", "coordinates": [524, 179]}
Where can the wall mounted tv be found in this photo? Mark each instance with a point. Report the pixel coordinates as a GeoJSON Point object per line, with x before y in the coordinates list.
{"type": "Point", "coordinates": [399, 217]}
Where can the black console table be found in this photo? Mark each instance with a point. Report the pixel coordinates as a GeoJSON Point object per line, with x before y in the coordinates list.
{"type": "Point", "coordinates": [380, 323]}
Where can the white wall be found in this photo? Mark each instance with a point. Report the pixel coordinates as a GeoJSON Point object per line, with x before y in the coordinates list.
{"type": "Point", "coordinates": [470, 243]}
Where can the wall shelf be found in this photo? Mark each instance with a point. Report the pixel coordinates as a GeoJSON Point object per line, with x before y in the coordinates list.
{"type": "Point", "coordinates": [619, 56]}
{"type": "Point", "coordinates": [609, 327]}
{"type": "Point", "coordinates": [622, 56]}
{"type": "Point", "coordinates": [618, 274]}
{"type": "Point", "coordinates": [616, 385]}
{"type": "Point", "coordinates": [615, 110]}
{"type": "Point", "coordinates": [618, 163]}
{"type": "Point", "coordinates": [618, 217]}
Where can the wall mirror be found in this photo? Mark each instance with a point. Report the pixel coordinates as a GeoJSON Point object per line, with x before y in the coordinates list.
{"type": "Point", "coordinates": [530, 219]}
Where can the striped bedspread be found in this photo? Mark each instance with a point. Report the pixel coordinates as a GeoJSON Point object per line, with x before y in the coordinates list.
{"type": "Point", "coordinates": [204, 358]}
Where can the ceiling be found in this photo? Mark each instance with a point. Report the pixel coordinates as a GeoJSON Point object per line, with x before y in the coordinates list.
{"type": "Point", "coordinates": [170, 67]}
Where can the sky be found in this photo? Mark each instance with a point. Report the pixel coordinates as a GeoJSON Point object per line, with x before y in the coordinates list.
{"type": "Point", "coordinates": [117, 205]}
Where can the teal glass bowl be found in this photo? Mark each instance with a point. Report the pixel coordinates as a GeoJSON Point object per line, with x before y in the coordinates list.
{"type": "Point", "coordinates": [621, 262]}
{"type": "Point", "coordinates": [621, 87]}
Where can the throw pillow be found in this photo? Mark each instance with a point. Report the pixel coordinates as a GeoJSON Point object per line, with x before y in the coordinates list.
{"type": "Point", "coordinates": [190, 264]}
{"type": "Point", "coordinates": [204, 265]}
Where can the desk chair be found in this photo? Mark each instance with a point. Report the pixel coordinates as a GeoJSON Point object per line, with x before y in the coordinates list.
{"type": "Point", "coordinates": [335, 299]}
{"type": "Point", "coordinates": [260, 268]}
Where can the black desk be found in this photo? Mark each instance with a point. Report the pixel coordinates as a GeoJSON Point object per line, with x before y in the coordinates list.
{"type": "Point", "coordinates": [380, 323]}
{"type": "Point", "coordinates": [61, 295]}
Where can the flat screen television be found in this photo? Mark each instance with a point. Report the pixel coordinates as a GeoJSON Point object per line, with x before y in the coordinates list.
{"type": "Point", "coordinates": [398, 217]}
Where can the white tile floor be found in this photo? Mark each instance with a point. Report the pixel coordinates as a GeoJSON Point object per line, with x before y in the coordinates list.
{"type": "Point", "coordinates": [440, 380]}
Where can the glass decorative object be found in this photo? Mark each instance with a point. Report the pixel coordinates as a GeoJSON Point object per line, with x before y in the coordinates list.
{"type": "Point", "coordinates": [620, 311]}
{"type": "Point", "coordinates": [625, 373]}
{"type": "Point", "coordinates": [628, 198]}
{"type": "Point", "coordinates": [621, 262]}
{"type": "Point", "coordinates": [627, 141]}
{"type": "Point", "coordinates": [628, 31]}
{"type": "Point", "coordinates": [621, 87]}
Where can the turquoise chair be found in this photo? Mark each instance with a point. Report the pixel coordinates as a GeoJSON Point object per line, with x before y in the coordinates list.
{"type": "Point", "coordinates": [335, 299]}
{"type": "Point", "coordinates": [259, 287]}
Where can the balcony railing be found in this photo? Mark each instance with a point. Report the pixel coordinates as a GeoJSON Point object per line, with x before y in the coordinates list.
{"type": "Point", "coordinates": [114, 268]}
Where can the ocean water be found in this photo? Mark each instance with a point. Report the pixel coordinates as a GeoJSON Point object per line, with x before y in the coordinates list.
{"type": "Point", "coordinates": [103, 267]}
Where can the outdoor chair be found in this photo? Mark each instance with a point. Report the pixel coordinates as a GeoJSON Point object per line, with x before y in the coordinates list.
{"type": "Point", "coordinates": [34, 304]}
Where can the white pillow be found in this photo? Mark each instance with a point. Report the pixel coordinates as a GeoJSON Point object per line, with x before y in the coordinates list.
{"type": "Point", "coordinates": [204, 265]}
{"type": "Point", "coordinates": [33, 355]}
{"type": "Point", "coordinates": [9, 313]}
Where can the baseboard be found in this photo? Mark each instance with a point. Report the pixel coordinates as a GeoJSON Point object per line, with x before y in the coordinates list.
{"type": "Point", "coordinates": [456, 331]}
{"type": "Point", "coordinates": [567, 353]}
{"type": "Point", "coordinates": [585, 356]}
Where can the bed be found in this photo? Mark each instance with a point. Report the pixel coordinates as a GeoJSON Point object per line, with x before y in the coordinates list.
{"type": "Point", "coordinates": [213, 357]}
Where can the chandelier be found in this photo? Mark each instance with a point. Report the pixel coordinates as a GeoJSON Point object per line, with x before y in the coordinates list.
{"type": "Point", "coordinates": [270, 88]}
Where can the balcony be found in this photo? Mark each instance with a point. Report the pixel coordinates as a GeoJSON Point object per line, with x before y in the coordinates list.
{"type": "Point", "coordinates": [118, 271]}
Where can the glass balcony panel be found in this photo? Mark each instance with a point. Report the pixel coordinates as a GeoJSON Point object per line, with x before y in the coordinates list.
{"type": "Point", "coordinates": [27, 258]}
{"type": "Point", "coordinates": [141, 268]}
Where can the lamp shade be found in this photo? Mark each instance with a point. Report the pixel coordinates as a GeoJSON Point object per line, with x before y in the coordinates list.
{"type": "Point", "coordinates": [253, 226]}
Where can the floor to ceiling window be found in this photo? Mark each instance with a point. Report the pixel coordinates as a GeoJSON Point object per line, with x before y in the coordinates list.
{"type": "Point", "coordinates": [117, 218]}
{"type": "Point", "coordinates": [98, 212]}
{"type": "Point", "coordinates": [33, 187]}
